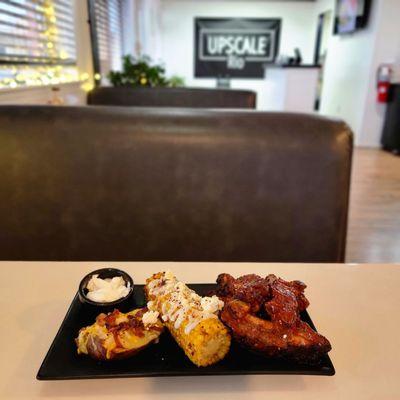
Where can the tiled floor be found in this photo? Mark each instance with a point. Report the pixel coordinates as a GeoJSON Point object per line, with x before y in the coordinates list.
{"type": "Point", "coordinates": [374, 220]}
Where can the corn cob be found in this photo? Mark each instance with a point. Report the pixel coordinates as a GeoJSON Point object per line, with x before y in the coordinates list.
{"type": "Point", "coordinates": [191, 319]}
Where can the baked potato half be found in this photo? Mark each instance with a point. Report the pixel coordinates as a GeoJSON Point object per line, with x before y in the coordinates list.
{"type": "Point", "coordinates": [118, 335]}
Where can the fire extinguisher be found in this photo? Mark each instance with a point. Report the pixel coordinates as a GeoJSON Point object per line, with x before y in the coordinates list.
{"type": "Point", "coordinates": [383, 77]}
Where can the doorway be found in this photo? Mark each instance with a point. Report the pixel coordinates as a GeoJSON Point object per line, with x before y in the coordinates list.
{"type": "Point", "coordinates": [324, 32]}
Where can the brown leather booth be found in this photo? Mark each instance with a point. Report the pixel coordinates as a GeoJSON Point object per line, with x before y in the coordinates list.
{"type": "Point", "coordinates": [117, 183]}
{"type": "Point", "coordinates": [172, 97]}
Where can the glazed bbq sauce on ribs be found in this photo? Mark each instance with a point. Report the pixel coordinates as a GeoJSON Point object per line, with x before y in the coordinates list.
{"type": "Point", "coordinates": [271, 298]}
{"type": "Point", "coordinates": [252, 289]}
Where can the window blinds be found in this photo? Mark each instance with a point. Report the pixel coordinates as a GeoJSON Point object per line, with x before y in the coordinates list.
{"type": "Point", "coordinates": [107, 30]}
{"type": "Point", "coordinates": [39, 32]}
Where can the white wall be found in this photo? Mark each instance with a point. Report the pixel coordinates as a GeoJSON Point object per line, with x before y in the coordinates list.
{"type": "Point", "coordinates": [349, 90]}
{"type": "Point", "coordinates": [177, 33]}
{"type": "Point", "coordinates": [386, 50]}
{"type": "Point", "coordinates": [324, 5]}
{"type": "Point", "coordinates": [70, 92]}
{"type": "Point", "coordinates": [346, 74]}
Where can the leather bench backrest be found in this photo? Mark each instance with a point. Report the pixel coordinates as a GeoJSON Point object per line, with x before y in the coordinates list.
{"type": "Point", "coordinates": [117, 183]}
{"type": "Point", "coordinates": [172, 97]}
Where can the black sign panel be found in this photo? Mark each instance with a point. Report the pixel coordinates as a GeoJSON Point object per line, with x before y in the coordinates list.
{"type": "Point", "coordinates": [235, 47]}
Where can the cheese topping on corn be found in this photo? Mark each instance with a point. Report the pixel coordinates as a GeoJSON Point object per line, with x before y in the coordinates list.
{"type": "Point", "coordinates": [183, 303]}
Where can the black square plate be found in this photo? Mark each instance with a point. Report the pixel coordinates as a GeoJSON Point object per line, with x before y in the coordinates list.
{"type": "Point", "coordinates": [162, 359]}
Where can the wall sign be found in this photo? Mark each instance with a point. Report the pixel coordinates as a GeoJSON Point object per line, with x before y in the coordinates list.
{"type": "Point", "coordinates": [235, 47]}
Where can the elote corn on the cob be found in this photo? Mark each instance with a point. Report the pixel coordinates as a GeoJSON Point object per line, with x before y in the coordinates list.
{"type": "Point", "coordinates": [191, 319]}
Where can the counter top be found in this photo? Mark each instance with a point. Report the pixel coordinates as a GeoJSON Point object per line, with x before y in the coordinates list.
{"type": "Point", "coordinates": [292, 66]}
{"type": "Point", "coordinates": [355, 306]}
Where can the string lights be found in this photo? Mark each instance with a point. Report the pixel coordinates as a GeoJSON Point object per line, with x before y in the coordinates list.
{"type": "Point", "coordinates": [40, 75]}
{"type": "Point", "coordinates": [23, 74]}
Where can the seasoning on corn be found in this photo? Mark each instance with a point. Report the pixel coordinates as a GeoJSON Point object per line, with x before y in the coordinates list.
{"type": "Point", "coordinates": [191, 319]}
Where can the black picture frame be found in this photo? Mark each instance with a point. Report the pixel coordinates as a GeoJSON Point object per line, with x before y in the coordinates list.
{"type": "Point", "coordinates": [248, 66]}
{"type": "Point", "coordinates": [361, 21]}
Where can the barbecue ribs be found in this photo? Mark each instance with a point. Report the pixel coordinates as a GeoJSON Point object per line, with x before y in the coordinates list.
{"type": "Point", "coordinates": [264, 316]}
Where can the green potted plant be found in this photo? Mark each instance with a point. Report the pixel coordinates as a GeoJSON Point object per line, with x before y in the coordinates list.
{"type": "Point", "coordinates": [141, 72]}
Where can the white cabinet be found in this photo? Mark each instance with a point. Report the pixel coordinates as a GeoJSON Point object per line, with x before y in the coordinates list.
{"type": "Point", "coordinates": [289, 89]}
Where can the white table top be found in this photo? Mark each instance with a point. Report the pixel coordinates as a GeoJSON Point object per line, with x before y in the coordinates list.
{"type": "Point", "coordinates": [355, 306]}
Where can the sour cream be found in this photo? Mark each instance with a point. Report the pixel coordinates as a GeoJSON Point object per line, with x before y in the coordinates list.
{"type": "Point", "coordinates": [106, 290]}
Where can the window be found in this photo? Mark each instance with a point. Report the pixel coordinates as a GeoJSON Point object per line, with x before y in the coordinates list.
{"type": "Point", "coordinates": [106, 26]}
{"type": "Point", "coordinates": [37, 42]}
